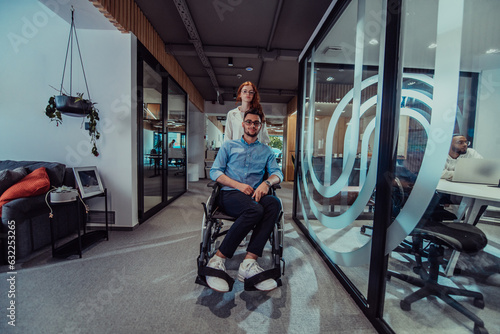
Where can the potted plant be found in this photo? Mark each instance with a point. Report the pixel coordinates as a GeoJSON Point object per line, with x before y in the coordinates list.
{"type": "Point", "coordinates": [73, 105]}
{"type": "Point", "coordinates": [77, 107]}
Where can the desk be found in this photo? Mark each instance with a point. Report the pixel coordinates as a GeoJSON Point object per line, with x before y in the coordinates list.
{"type": "Point", "coordinates": [179, 155]}
{"type": "Point", "coordinates": [474, 197]}
{"type": "Point", "coordinates": [157, 162]}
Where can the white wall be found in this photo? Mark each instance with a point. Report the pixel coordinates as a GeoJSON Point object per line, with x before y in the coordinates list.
{"type": "Point", "coordinates": [487, 136]}
{"type": "Point", "coordinates": [213, 134]}
{"type": "Point", "coordinates": [32, 60]}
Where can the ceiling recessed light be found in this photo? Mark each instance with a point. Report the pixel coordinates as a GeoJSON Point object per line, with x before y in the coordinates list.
{"type": "Point", "coordinates": [432, 46]}
{"type": "Point", "coordinates": [491, 51]}
{"type": "Point", "coordinates": [249, 68]}
{"type": "Point", "coordinates": [373, 41]}
{"type": "Point", "coordinates": [330, 79]}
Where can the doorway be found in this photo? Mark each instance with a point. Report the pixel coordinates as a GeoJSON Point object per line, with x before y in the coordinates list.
{"type": "Point", "coordinates": [161, 136]}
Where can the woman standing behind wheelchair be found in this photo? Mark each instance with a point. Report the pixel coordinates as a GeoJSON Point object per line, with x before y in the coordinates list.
{"type": "Point", "coordinates": [249, 97]}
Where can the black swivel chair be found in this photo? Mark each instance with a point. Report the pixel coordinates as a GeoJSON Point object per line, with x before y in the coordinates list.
{"type": "Point", "coordinates": [456, 236]}
{"type": "Point", "coordinates": [438, 235]}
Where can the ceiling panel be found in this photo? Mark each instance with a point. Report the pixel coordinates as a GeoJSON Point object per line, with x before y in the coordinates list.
{"type": "Point", "coordinates": [296, 20]}
{"type": "Point", "coordinates": [165, 18]}
{"type": "Point", "coordinates": [222, 26]}
{"type": "Point", "coordinates": [233, 23]}
{"type": "Point", "coordinates": [280, 75]}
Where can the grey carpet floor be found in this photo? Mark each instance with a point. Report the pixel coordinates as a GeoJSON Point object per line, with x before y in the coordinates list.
{"type": "Point", "coordinates": [142, 281]}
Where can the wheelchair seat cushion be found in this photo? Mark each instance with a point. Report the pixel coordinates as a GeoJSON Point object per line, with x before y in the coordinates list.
{"type": "Point", "coordinates": [219, 214]}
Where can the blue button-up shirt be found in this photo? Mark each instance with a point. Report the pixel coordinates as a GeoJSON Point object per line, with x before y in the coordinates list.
{"type": "Point", "coordinates": [245, 163]}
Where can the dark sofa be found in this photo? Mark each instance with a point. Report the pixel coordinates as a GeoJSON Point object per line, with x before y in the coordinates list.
{"type": "Point", "coordinates": [31, 214]}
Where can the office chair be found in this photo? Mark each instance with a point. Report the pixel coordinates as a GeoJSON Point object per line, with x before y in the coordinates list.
{"type": "Point", "coordinates": [456, 236]}
{"type": "Point", "coordinates": [438, 235]}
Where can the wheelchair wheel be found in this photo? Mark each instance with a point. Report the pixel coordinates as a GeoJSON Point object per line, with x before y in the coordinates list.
{"type": "Point", "coordinates": [277, 242]}
{"type": "Point", "coordinates": [209, 243]}
{"type": "Point", "coordinates": [206, 244]}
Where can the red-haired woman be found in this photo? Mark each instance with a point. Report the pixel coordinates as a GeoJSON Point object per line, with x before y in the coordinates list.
{"type": "Point", "coordinates": [249, 97]}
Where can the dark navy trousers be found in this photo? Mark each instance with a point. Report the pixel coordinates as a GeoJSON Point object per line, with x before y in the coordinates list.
{"type": "Point", "coordinates": [259, 217]}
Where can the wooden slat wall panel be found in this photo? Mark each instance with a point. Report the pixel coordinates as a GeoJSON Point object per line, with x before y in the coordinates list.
{"type": "Point", "coordinates": [291, 107]}
{"type": "Point", "coordinates": [126, 16]}
{"type": "Point", "coordinates": [291, 130]}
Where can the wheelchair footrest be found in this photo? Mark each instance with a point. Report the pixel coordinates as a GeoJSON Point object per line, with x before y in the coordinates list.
{"type": "Point", "coordinates": [203, 272]}
{"type": "Point", "coordinates": [274, 274]}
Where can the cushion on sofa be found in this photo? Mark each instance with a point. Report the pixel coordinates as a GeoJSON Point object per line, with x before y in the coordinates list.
{"type": "Point", "coordinates": [55, 170]}
{"type": "Point", "coordinates": [35, 183]}
{"type": "Point", "coordinates": [9, 177]}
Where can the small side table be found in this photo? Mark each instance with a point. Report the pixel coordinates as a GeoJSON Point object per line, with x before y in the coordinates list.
{"type": "Point", "coordinates": [83, 240]}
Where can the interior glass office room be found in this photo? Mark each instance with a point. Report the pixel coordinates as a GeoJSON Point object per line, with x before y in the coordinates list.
{"type": "Point", "coordinates": [383, 88]}
{"type": "Point", "coordinates": [162, 110]}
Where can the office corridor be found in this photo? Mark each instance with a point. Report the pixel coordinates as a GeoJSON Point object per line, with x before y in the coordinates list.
{"type": "Point", "coordinates": [142, 281]}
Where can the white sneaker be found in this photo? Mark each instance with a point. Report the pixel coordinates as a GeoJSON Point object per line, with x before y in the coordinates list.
{"type": "Point", "coordinates": [216, 283]}
{"type": "Point", "coordinates": [250, 268]}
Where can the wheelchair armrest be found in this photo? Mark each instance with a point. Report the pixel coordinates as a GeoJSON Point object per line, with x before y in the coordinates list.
{"type": "Point", "coordinates": [215, 185]}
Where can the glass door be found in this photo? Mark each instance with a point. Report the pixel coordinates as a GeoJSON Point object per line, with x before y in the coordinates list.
{"type": "Point", "coordinates": [152, 138]}
{"type": "Point", "coordinates": [161, 138]}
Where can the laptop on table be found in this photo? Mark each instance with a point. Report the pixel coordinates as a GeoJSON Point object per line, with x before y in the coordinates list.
{"type": "Point", "coordinates": [482, 171]}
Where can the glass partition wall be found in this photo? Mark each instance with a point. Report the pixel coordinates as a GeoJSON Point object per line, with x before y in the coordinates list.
{"type": "Point", "coordinates": [385, 85]}
{"type": "Point", "coordinates": [162, 108]}
{"type": "Point", "coordinates": [176, 125]}
{"type": "Point", "coordinates": [152, 137]}
{"type": "Point", "coordinates": [337, 178]}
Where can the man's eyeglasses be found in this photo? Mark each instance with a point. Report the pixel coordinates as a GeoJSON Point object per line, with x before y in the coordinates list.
{"type": "Point", "coordinates": [461, 142]}
{"type": "Point", "coordinates": [256, 123]}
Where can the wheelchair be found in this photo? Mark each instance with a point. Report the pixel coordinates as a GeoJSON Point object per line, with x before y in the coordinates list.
{"type": "Point", "coordinates": [213, 230]}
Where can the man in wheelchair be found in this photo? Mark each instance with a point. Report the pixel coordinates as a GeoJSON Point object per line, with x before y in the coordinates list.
{"type": "Point", "coordinates": [240, 167]}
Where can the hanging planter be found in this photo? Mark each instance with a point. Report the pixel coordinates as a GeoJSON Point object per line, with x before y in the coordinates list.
{"type": "Point", "coordinates": [75, 106]}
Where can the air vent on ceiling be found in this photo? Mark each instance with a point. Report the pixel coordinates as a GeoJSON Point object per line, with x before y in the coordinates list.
{"type": "Point", "coordinates": [332, 50]}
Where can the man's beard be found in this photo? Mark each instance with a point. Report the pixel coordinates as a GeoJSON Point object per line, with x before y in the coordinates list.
{"type": "Point", "coordinates": [252, 135]}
